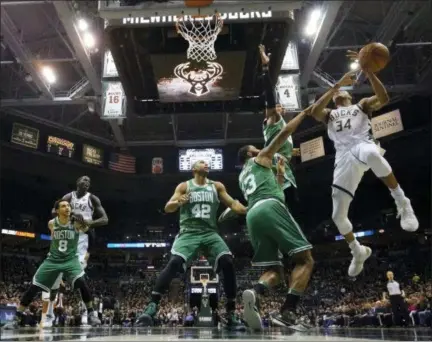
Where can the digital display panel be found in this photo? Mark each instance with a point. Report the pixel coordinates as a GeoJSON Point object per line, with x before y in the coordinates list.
{"type": "Point", "coordinates": [180, 80]}
{"type": "Point", "coordinates": [198, 290]}
{"type": "Point", "coordinates": [213, 157]}
{"type": "Point", "coordinates": [61, 147]}
{"type": "Point", "coordinates": [25, 135]}
{"type": "Point", "coordinates": [92, 155]}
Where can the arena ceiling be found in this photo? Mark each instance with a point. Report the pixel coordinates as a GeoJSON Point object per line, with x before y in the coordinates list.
{"type": "Point", "coordinates": [46, 36]}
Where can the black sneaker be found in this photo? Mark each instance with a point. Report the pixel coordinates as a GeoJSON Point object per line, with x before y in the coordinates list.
{"type": "Point", "coordinates": [290, 320]}
{"type": "Point", "coordinates": [251, 313]}
{"type": "Point", "coordinates": [146, 318]}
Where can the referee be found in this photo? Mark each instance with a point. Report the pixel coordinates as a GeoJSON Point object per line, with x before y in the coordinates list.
{"type": "Point", "coordinates": [397, 301]}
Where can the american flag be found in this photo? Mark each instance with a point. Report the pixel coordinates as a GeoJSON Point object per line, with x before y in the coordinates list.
{"type": "Point", "coordinates": [122, 163]}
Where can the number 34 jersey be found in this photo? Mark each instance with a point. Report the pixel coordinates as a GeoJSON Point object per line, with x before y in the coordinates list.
{"type": "Point", "coordinates": [348, 126]}
{"type": "Point", "coordinates": [64, 242]}
{"type": "Point", "coordinates": [200, 213]}
{"type": "Point", "coordinates": [258, 183]}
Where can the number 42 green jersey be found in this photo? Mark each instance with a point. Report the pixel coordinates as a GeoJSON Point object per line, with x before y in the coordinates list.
{"type": "Point", "coordinates": [200, 213]}
{"type": "Point", "coordinates": [258, 183]}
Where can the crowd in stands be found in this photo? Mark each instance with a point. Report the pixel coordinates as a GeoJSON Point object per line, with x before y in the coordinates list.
{"type": "Point", "coordinates": [333, 299]}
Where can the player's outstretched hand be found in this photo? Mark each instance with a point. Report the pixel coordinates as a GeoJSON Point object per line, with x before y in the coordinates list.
{"type": "Point", "coordinates": [265, 59]}
{"type": "Point", "coordinates": [183, 199]}
{"type": "Point", "coordinates": [348, 79]}
{"type": "Point", "coordinates": [352, 55]}
{"type": "Point", "coordinates": [281, 166]}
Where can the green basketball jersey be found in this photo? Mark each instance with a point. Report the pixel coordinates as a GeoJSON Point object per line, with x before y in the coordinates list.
{"type": "Point", "coordinates": [270, 132]}
{"type": "Point", "coordinates": [258, 182]}
{"type": "Point", "coordinates": [200, 213]}
{"type": "Point", "coordinates": [64, 242]}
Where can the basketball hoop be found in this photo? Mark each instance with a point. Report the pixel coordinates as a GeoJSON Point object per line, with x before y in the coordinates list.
{"type": "Point", "coordinates": [201, 32]}
{"type": "Point", "coordinates": [204, 279]}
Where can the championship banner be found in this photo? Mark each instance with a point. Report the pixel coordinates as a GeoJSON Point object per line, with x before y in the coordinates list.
{"type": "Point", "coordinates": [109, 68]}
{"type": "Point", "coordinates": [312, 149]}
{"type": "Point", "coordinates": [157, 166]}
{"type": "Point", "coordinates": [290, 61]}
{"type": "Point", "coordinates": [387, 124]}
{"type": "Point", "coordinates": [288, 91]}
{"type": "Point", "coordinates": [114, 100]}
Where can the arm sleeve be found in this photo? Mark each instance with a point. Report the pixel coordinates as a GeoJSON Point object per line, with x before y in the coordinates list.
{"type": "Point", "coordinates": [269, 93]}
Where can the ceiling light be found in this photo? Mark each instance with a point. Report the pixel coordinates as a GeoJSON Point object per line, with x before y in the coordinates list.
{"type": "Point", "coordinates": [49, 74]}
{"type": "Point", "coordinates": [82, 25]}
{"type": "Point", "coordinates": [89, 40]}
{"type": "Point", "coordinates": [313, 22]}
{"type": "Point", "coordinates": [354, 65]}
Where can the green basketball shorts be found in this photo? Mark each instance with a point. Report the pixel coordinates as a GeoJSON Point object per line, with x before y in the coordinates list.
{"type": "Point", "coordinates": [188, 244]}
{"type": "Point", "coordinates": [273, 230]}
{"type": "Point", "coordinates": [48, 272]}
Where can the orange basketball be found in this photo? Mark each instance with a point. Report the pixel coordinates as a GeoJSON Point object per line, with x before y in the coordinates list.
{"type": "Point", "coordinates": [374, 57]}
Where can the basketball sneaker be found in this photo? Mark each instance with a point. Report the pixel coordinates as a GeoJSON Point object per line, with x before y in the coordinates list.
{"type": "Point", "coordinates": [358, 261]}
{"type": "Point", "coordinates": [290, 320]}
{"type": "Point", "coordinates": [93, 319]}
{"type": "Point", "coordinates": [146, 318]}
{"type": "Point", "coordinates": [251, 312]}
{"type": "Point", "coordinates": [47, 322]}
{"type": "Point", "coordinates": [406, 214]}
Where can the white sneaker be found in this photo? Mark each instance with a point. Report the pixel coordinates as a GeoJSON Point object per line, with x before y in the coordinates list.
{"type": "Point", "coordinates": [251, 314]}
{"type": "Point", "coordinates": [409, 221]}
{"type": "Point", "coordinates": [358, 261]}
{"type": "Point", "coordinates": [47, 322]}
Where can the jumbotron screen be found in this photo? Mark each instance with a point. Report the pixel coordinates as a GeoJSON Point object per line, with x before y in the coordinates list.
{"type": "Point", "coordinates": [180, 80]}
{"type": "Point", "coordinates": [61, 147]}
{"type": "Point", "coordinates": [212, 156]}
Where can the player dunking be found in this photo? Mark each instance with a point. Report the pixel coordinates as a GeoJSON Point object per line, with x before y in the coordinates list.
{"type": "Point", "coordinates": [62, 259]}
{"type": "Point", "coordinates": [84, 206]}
{"type": "Point", "coordinates": [350, 128]}
{"type": "Point", "coordinates": [198, 200]}
{"type": "Point", "coordinates": [272, 230]}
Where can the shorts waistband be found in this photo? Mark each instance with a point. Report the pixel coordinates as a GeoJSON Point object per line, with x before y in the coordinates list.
{"type": "Point", "coordinates": [265, 200]}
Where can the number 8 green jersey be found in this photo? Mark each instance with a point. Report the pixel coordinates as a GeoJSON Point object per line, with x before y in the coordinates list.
{"type": "Point", "coordinates": [200, 213]}
{"type": "Point", "coordinates": [258, 182]}
{"type": "Point", "coordinates": [64, 242]}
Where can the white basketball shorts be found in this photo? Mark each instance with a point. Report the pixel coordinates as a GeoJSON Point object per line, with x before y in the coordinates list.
{"type": "Point", "coordinates": [350, 167]}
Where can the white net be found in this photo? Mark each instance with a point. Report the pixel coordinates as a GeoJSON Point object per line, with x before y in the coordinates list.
{"type": "Point", "coordinates": [201, 33]}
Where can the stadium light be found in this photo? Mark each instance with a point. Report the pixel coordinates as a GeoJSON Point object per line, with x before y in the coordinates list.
{"type": "Point", "coordinates": [354, 65]}
{"type": "Point", "coordinates": [83, 25]}
{"type": "Point", "coordinates": [49, 74]}
{"type": "Point", "coordinates": [313, 22]}
{"type": "Point", "coordinates": [89, 40]}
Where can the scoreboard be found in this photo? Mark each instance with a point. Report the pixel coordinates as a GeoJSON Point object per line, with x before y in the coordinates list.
{"type": "Point", "coordinates": [213, 157]}
{"type": "Point", "coordinates": [92, 155]}
{"type": "Point", "coordinates": [25, 135]}
{"type": "Point", "coordinates": [60, 147]}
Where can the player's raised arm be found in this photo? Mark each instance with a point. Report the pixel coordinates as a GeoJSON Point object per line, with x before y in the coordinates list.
{"type": "Point", "coordinates": [271, 114]}
{"type": "Point", "coordinates": [381, 97]}
{"type": "Point", "coordinates": [265, 156]}
{"type": "Point", "coordinates": [100, 213]}
{"type": "Point", "coordinates": [230, 202]}
{"type": "Point", "coordinates": [179, 198]}
{"type": "Point", "coordinates": [319, 108]}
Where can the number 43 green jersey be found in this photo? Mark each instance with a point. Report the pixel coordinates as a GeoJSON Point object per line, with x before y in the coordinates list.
{"type": "Point", "coordinates": [200, 213]}
{"type": "Point", "coordinates": [258, 182]}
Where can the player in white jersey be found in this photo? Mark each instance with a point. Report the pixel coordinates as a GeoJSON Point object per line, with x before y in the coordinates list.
{"type": "Point", "coordinates": [350, 128]}
{"type": "Point", "coordinates": [84, 206]}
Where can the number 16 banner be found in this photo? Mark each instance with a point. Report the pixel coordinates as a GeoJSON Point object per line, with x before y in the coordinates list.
{"type": "Point", "coordinates": [114, 100]}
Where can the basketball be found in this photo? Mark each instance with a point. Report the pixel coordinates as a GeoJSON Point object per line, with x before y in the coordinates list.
{"type": "Point", "coordinates": [374, 57]}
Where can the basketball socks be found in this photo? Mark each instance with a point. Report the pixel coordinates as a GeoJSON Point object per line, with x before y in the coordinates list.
{"type": "Point", "coordinates": [355, 247]}
{"type": "Point", "coordinates": [50, 308]}
{"type": "Point", "coordinates": [398, 194]}
{"type": "Point", "coordinates": [291, 300]}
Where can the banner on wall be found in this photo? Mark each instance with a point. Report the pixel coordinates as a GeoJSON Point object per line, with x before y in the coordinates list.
{"type": "Point", "coordinates": [114, 100]}
{"type": "Point", "coordinates": [387, 124]}
{"type": "Point", "coordinates": [157, 166]}
{"type": "Point", "coordinates": [110, 69]}
{"type": "Point", "coordinates": [290, 61]}
{"type": "Point", "coordinates": [288, 92]}
{"type": "Point", "coordinates": [312, 149]}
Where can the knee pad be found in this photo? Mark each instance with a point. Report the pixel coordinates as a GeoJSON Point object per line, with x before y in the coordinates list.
{"type": "Point", "coordinates": [341, 203]}
{"type": "Point", "coordinates": [378, 164]}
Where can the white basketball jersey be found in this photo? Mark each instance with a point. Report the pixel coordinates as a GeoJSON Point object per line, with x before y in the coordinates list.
{"type": "Point", "coordinates": [347, 126]}
{"type": "Point", "coordinates": [82, 205]}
